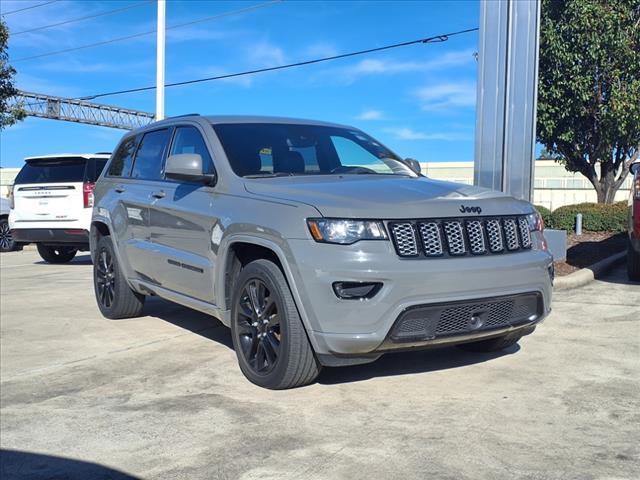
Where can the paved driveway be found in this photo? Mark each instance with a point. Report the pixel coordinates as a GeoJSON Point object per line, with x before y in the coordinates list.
{"type": "Point", "coordinates": [162, 396]}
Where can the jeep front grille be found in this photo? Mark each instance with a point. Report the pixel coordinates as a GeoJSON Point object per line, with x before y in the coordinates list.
{"type": "Point", "coordinates": [460, 237]}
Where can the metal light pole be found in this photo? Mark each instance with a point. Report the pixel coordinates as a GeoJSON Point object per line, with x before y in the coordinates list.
{"type": "Point", "coordinates": [160, 60]}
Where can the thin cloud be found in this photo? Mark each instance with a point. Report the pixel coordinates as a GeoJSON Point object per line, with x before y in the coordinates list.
{"type": "Point", "coordinates": [405, 133]}
{"type": "Point", "coordinates": [370, 115]}
{"type": "Point", "coordinates": [447, 95]}
{"type": "Point", "coordinates": [320, 49]}
{"type": "Point", "coordinates": [390, 66]}
{"type": "Point", "coordinates": [76, 66]}
{"type": "Point", "coordinates": [266, 54]}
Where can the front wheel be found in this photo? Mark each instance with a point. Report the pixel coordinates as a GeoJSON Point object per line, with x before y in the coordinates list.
{"type": "Point", "coordinates": [268, 336]}
{"type": "Point", "coordinates": [491, 345]}
{"type": "Point", "coordinates": [114, 296]}
{"type": "Point", "coordinates": [56, 254]}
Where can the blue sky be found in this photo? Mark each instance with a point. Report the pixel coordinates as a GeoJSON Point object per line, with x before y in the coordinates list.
{"type": "Point", "coordinates": [419, 100]}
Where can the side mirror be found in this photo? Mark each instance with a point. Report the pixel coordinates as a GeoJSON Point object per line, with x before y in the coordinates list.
{"type": "Point", "coordinates": [634, 168]}
{"type": "Point", "coordinates": [188, 167]}
{"type": "Point", "coordinates": [414, 165]}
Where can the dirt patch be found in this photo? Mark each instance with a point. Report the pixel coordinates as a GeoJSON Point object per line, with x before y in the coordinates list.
{"type": "Point", "coordinates": [589, 248]}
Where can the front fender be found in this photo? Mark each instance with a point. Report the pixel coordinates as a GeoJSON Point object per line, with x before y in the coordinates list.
{"type": "Point", "coordinates": [285, 256]}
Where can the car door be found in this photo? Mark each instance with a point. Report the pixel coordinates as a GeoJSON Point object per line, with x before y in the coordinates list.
{"type": "Point", "coordinates": [136, 166]}
{"type": "Point", "coordinates": [181, 223]}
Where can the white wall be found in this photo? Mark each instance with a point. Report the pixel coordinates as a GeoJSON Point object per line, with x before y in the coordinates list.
{"type": "Point", "coordinates": [553, 185]}
{"type": "Point", "coordinates": [7, 176]}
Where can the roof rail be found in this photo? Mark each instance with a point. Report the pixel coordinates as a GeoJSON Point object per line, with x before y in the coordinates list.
{"type": "Point", "coordinates": [185, 115]}
{"type": "Point", "coordinates": [102, 153]}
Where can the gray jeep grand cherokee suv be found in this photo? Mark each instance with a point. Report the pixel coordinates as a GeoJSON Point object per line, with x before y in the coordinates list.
{"type": "Point", "coordinates": [316, 244]}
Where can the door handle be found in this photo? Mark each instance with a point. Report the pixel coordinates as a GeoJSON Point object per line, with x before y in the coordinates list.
{"type": "Point", "coordinates": [119, 188]}
{"type": "Point", "coordinates": [158, 194]}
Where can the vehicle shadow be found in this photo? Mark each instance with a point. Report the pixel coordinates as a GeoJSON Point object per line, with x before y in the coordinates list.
{"type": "Point", "coordinates": [84, 259]}
{"type": "Point", "coordinates": [17, 464]}
{"type": "Point", "coordinates": [406, 363]}
{"type": "Point", "coordinates": [197, 322]}
{"type": "Point", "coordinates": [391, 364]}
{"type": "Point", "coordinates": [618, 276]}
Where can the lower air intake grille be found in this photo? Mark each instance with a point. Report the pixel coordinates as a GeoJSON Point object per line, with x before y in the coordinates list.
{"type": "Point", "coordinates": [460, 236]}
{"type": "Point", "coordinates": [425, 322]}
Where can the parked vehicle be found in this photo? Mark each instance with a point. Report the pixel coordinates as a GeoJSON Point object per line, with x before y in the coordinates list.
{"type": "Point", "coordinates": [315, 243]}
{"type": "Point", "coordinates": [51, 202]}
{"type": "Point", "coordinates": [633, 251]}
{"type": "Point", "coordinates": [7, 244]}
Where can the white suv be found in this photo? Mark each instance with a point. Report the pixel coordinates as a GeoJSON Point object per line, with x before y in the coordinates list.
{"type": "Point", "coordinates": [51, 202]}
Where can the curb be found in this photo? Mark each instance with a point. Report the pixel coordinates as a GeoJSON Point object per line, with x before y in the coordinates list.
{"type": "Point", "coordinates": [588, 274]}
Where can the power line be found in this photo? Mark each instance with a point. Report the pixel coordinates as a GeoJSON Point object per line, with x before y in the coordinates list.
{"type": "Point", "coordinates": [73, 20]}
{"type": "Point", "coordinates": [29, 8]}
{"type": "Point", "coordinates": [150, 32]}
{"type": "Point", "coordinates": [435, 39]}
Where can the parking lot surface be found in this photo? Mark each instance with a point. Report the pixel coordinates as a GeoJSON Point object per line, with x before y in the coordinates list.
{"type": "Point", "coordinates": [162, 396]}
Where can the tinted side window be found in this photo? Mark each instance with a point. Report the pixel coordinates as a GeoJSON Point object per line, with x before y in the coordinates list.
{"type": "Point", "coordinates": [189, 140]}
{"type": "Point", "coordinates": [148, 162]}
{"type": "Point", "coordinates": [94, 169]}
{"type": "Point", "coordinates": [123, 158]}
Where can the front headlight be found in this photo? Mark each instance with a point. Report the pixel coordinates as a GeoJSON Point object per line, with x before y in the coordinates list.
{"type": "Point", "coordinates": [536, 224]}
{"type": "Point", "coordinates": [345, 232]}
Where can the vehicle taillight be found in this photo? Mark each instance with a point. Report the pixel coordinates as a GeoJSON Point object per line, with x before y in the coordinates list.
{"type": "Point", "coordinates": [12, 202]}
{"type": "Point", "coordinates": [87, 194]}
{"type": "Point", "coordinates": [636, 185]}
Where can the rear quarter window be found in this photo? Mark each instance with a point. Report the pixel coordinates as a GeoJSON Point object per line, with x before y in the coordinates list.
{"type": "Point", "coordinates": [94, 168]}
{"type": "Point", "coordinates": [123, 158]}
{"type": "Point", "coordinates": [52, 170]}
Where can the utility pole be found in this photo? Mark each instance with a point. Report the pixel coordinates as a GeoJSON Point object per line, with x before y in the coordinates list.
{"type": "Point", "coordinates": [160, 40]}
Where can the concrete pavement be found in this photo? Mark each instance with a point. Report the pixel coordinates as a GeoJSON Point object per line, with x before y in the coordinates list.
{"type": "Point", "coordinates": [162, 396]}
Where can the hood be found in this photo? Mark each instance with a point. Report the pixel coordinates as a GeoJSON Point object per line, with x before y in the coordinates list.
{"type": "Point", "coordinates": [385, 197]}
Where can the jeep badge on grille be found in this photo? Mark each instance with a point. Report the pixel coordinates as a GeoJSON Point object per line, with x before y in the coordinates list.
{"type": "Point", "coordinates": [464, 209]}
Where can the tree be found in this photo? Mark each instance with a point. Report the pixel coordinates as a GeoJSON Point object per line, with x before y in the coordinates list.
{"type": "Point", "coordinates": [9, 113]}
{"type": "Point", "coordinates": [589, 88]}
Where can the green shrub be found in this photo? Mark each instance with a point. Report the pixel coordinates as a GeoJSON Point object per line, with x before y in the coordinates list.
{"type": "Point", "coordinates": [545, 213]}
{"type": "Point", "coordinates": [596, 217]}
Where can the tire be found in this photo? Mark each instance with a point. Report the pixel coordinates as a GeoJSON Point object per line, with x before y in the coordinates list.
{"type": "Point", "coordinates": [57, 254]}
{"type": "Point", "coordinates": [268, 336]}
{"type": "Point", "coordinates": [490, 345]}
{"type": "Point", "coordinates": [114, 296]}
{"type": "Point", "coordinates": [7, 244]}
{"type": "Point", "coordinates": [633, 263]}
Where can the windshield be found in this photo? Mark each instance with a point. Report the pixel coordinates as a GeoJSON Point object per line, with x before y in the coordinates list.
{"type": "Point", "coordinates": [276, 149]}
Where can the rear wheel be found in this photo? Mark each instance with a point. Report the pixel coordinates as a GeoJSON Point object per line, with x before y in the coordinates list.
{"type": "Point", "coordinates": [6, 239]}
{"type": "Point", "coordinates": [633, 263]}
{"type": "Point", "coordinates": [114, 296]}
{"type": "Point", "coordinates": [268, 336]}
{"type": "Point", "coordinates": [56, 254]}
{"type": "Point", "coordinates": [491, 345]}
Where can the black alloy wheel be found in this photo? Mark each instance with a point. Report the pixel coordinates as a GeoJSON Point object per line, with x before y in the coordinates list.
{"type": "Point", "coordinates": [268, 335]}
{"type": "Point", "coordinates": [114, 295]}
{"type": "Point", "coordinates": [258, 326]}
{"type": "Point", "coordinates": [6, 238]}
{"type": "Point", "coordinates": [105, 278]}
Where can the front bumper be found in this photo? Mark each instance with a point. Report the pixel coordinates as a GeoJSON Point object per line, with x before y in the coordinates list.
{"type": "Point", "coordinates": [53, 236]}
{"type": "Point", "coordinates": [362, 327]}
